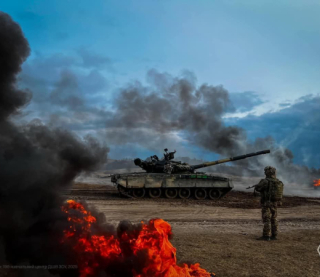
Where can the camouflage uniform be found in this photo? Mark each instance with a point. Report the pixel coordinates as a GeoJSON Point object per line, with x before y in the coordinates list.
{"type": "Point", "coordinates": [269, 204]}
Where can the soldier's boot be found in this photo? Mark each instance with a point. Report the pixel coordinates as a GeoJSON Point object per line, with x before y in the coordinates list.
{"type": "Point", "coordinates": [266, 238]}
{"type": "Point", "coordinates": [273, 238]}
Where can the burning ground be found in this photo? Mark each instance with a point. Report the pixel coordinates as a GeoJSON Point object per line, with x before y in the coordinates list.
{"type": "Point", "coordinates": [137, 250]}
{"type": "Point", "coordinates": [221, 234]}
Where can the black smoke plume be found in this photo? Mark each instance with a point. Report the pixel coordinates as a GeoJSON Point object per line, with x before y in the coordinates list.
{"type": "Point", "coordinates": [36, 163]}
{"type": "Point", "coordinates": [149, 115]}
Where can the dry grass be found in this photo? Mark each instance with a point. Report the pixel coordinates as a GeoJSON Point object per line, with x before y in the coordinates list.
{"type": "Point", "coordinates": [294, 254]}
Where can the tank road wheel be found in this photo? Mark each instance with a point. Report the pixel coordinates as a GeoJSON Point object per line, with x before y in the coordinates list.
{"type": "Point", "coordinates": [214, 194]}
{"type": "Point", "coordinates": [184, 193]}
{"type": "Point", "coordinates": [155, 192]}
{"type": "Point", "coordinates": [171, 193]}
{"type": "Point", "coordinates": [200, 194]}
{"type": "Point", "coordinates": [139, 193]}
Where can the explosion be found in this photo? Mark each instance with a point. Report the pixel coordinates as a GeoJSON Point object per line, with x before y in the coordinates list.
{"type": "Point", "coordinates": [101, 252]}
{"type": "Point", "coordinates": [316, 183]}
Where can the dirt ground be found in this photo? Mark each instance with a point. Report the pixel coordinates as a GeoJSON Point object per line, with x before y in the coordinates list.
{"type": "Point", "coordinates": [221, 235]}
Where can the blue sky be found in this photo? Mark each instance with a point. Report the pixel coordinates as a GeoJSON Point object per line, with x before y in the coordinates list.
{"type": "Point", "coordinates": [265, 53]}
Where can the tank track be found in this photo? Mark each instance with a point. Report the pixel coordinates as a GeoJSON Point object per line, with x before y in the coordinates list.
{"type": "Point", "coordinates": [123, 192]}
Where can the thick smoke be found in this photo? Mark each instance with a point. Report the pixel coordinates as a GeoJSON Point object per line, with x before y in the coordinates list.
{"type": "Point", "coordinates": [169, 106]}
{"type": "Point", "coordinates": [14, 50]}
{"type": "Point", "coordinates": [36, 163]}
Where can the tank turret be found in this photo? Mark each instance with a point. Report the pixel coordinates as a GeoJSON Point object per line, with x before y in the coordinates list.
{"type": "Point", "coordinates": [167, 165]}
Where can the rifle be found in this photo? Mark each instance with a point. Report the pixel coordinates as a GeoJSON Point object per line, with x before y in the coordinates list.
{"type": "Point", "coordinates": [251, 186]}
{"type": "Point", "coordinates": [254, 191]}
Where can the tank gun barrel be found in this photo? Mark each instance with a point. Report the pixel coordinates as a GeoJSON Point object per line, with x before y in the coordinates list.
{"type": "Point", "coordinates": [237, 158]}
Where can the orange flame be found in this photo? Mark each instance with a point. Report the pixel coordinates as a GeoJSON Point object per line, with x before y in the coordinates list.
{"type": "Point", "coordinates": [316, 183]}
{"type": "Point", "coordinates": [94, 251]}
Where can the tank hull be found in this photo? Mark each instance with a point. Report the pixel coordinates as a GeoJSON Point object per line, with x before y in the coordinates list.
{"type": "Point", "coordinates": [199, 185]}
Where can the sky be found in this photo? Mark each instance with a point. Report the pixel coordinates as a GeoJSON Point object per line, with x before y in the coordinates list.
{"type": "Point", "coordinates": [264, 53]}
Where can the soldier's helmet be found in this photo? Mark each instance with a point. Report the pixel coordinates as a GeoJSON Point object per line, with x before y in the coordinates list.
{"type": "Point", "coordinates": [269, 171]}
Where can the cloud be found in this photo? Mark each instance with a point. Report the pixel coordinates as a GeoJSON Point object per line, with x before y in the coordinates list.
{"type": "Point", "coordinates": [245, 101]}
{"type": "Point", "coordinates": [66, 91]}
{"type": "Point", "coordinates": [64, 85]}
{"type": "Point", "coordinates": [285, 104]}
{"type": "Point", "coordinates": [91, 59]}
{"type": "Point", "coordinates": [296, 127]}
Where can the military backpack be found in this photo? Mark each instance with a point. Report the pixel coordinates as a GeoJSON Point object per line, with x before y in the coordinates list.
{"type": "Point", "coordinates": [275, 191]}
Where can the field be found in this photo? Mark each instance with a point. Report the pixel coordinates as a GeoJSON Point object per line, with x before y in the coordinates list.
{"type": "Point", "coordinates": [221, 235]}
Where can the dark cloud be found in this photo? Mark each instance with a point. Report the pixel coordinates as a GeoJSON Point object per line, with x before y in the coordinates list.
{"type": "Point", "coordinates": [66, 90]}
{"type": "Point", "coordinates": [296, 127]}
{"type": "Point", "coordinates": [43, 72]}
{"type": "Point", "coordinates": [245, 101]}
{"type": "Point", "coordinates": [94, 82]}
{"type": "Point", "coordinates": [63, 88]}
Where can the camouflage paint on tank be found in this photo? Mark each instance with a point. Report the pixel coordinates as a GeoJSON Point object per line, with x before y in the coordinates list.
{"type": "Point", "coordinates": [156, 180]}
{"type": "Point", "coordinates": [174, 177]}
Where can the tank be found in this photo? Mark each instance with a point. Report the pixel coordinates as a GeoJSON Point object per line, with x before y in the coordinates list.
{"type": "Point", "coordinates": [172, 179]}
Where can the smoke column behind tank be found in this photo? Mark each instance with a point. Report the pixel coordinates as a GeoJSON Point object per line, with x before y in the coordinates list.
{"type": "Point", "coordinates": [151, 115]}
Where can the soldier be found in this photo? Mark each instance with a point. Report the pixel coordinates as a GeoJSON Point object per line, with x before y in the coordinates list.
{"type": "Point", "coordinates": [271, 190]}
